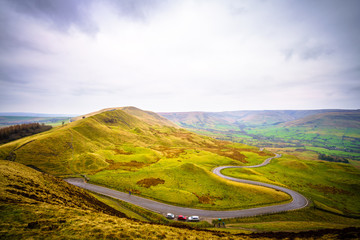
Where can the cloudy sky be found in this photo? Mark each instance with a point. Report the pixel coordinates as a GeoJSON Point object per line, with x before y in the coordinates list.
{"type": "Point", "coordinates": [79, 56]}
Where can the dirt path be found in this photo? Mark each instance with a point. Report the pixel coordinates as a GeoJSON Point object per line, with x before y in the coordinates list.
{"type": "Point", "coordinates": [298, 201]}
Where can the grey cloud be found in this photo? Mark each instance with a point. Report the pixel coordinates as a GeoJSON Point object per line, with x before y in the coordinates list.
{"type": "Point", "coordinates": [9, 32]}
{"type": "Point", "coordinates": [332, 23]}
{"type": "Point", "coordinates": [135, 9]}
{"type": "Point", "coordinates": [288, 53]}
{"type": "Point", "coordinates": [305, 30]}
{"type": "Point", "coordinates": [313, 53]}
{"type": "Point", "coordinates": [10, 74]}
{"type": "Point", "coordinates": [59, 14]}
{"type": "Point", "coordinates": [352, 72]}
{"type": "Point", "coordinates": [62, 14]}
{"type": "Point", "coordinates": [306, 51]}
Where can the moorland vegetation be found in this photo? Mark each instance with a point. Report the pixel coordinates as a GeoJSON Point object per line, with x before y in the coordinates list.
{"type": "Point", "coordinates": [130, 149]}
{"type": "Point", "coordinates": [121, 151]}
{"type": "Point", "coordinates": [36, 205]}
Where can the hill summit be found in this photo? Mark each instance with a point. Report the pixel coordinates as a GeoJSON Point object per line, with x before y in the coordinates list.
{"type": "Point", "coordinates": [87, 144]}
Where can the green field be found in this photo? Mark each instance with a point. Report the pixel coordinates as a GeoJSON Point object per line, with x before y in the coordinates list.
{"type": "Point", "coordinates": [172, 165]}
{"type": "Point", "coordinates": [144, 154]}
{"type": "Point", "coordinates": [14, 120]}
{"type": "Point", "coordinates": [333, 187]}
{"type": "Point", "coordinates": [332, 132]}
{"type": "Point", "coordinates": [186, 180]}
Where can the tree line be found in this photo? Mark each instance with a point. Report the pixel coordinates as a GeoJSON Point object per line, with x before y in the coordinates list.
{"type": "Point", "coordinates": [11, 133]}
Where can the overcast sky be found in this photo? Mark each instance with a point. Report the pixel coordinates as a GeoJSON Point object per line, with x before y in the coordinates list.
{"type": "Point", "coordinates": [79, 56]}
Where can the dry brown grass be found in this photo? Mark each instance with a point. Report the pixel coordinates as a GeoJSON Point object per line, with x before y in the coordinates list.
{"type": "Point", "coordinates": [120, 151]}
{"type": "Point", "coordinates": [125, 165]}
{"type": "Point", "coordinates": [329, 189]}
{"type": "Point", "coordinates": [206, 199]}
{"type": "Point", "coordinates": [148, 182]}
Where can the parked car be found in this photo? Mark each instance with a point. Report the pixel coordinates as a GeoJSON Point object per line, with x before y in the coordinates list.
{"type": "Point", "coordinates": [181, 218]}
{"type": "Point", "coordinates": [193, 219]}
{"type": "Point", "coordinates": [170, 216]}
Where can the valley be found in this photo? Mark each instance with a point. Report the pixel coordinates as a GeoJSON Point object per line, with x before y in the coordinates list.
{"type": "Point", "coordinates": [298, 201]}
{"type": "Point", "coordinates": [333, 133]}
{"type": "Point", "coordinates": [139, 152]}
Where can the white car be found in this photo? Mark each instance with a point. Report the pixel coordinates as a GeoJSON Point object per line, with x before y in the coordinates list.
{"type": "Point", "coordinates": [193, 219]}
{"type": "Point", "coordinates": [170, 216]}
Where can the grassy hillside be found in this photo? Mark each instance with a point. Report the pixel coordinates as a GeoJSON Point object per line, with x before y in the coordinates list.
{"type": "Point", "coordinates": [235, 119]}
{"type": "Point", "coordinates": [333, 187]}
{"type": "Point", "coordinates": [39, 206]}
{"type": "Point", "coordinates": [155, 160]}
{"type": "Point", "coordinates": [133, 150]}
{"type": "Point", "coordinates": [329, 132]}
{"type": "Point", "coordinates": [335, 133]}
{"type": "Point", "coordinates": [145, 154]}
{"type": "Point", "coordinates": [146, 116]}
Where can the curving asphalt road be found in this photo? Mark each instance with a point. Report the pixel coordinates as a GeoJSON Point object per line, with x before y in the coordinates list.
{"type": "Point", "coordinates": [299, 201]}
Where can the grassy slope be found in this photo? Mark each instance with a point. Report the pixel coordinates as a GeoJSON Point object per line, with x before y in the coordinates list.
{"type": "Point", "coordinates": [306, 219]}
{"type": "Point", "coordinates": [36, 205]}
{"type": "Point", "coordinates": [332, 186]}
{"type": "Point", "coordinates": [332, 132]}
{"type": "Point", "coordinates": [121, 151]}
{"type": "Point", "coordinates": [159, 147]}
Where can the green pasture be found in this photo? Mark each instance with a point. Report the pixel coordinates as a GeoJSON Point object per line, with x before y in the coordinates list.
{"type": "Point", "coordinates": [333, 185]}
{"type": "Point", "coordinates": [326, 137]}
{"type": "Point", "coordinates": [335, 152]}
{"type": "Point", "coordinates": [337, 141]}
{"type": "Point", "coordinates": [189, 182]}
{"type": "Point", "coordinates": [171, 165]}
{"type": "Point", "coordinates": [14, 120]}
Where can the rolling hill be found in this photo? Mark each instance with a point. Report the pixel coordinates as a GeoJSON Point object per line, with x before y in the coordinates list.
{"type": "Point", "coordinates": [123, 148]}
{"type": "Point", "coordinates": [235, 119]}
{"type": "Point", "coordinates": [35, 205]}
{"type": "Point", "coordinates": [343, 119]}
{"type": "Point", "coordinates": [330, 132]}
{"type": "Point", "coordinates": [128, 149]}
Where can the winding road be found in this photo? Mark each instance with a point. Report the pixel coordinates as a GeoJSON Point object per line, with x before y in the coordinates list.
{"type": "Point", "coordinates": [298, 200]}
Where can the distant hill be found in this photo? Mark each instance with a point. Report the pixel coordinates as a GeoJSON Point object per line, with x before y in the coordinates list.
{"type": "Point", "coordinates": [121, 150]}
{"type": "Point", "coordinates": [239, 118]}
{"type": "Point", "coordinates": [27, 114]}
{"type": "Point", "coordinates": [327, 131]}
{"type": "Point", "coordinates": [128, 149]}
{"type": "Point", "coordinates": [340, 119]}
{"type": "Point", "coordinates": [15, 120]}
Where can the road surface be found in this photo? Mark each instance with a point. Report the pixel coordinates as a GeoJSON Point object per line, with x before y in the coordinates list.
{"type": "Point", "coordinates": [298, 201]}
